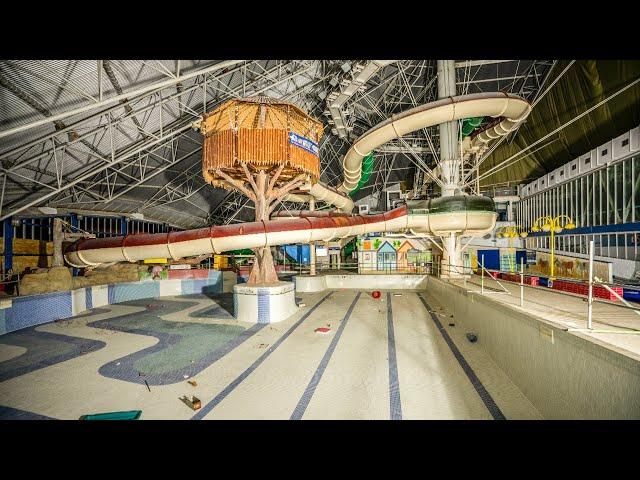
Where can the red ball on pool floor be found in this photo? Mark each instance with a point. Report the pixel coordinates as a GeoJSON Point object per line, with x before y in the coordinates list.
{"type": "Point", "coordinates": [376, 294]}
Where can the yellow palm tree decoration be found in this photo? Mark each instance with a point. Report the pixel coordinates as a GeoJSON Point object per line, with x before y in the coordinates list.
{"type": "Point", "coordinates": [511, 232]}
{"type": "Point", "coordinates": [553, 225]}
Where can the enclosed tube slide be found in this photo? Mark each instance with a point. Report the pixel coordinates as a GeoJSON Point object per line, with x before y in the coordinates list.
{"type": "Point", "coordinates": [513, 108]}
{"type": "Point", "coordinates": [472, 215]}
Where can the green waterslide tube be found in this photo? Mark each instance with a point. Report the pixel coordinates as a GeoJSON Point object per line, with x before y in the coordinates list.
{"type": "Point", "coordinates": [367, 169]}
{"type": "Point", "coordinates": [470, 124]}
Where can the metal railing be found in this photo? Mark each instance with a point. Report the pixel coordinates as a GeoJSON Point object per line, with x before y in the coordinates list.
{"type": "Point", "coordinates": [590, 297]}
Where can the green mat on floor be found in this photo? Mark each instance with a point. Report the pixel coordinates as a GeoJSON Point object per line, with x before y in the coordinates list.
{"type": "Point", "coordinates": [130, 415]}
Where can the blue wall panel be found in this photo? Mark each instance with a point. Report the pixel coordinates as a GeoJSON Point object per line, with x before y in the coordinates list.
{"type": "Point", "coordinates": [198, 286]}
{"type": "Point", "coordinates": [491, 259]}
{"type": "Point", "coordinates": [37, 309]}
{"type": "Point", "coordinates": [124, 292]}
{"type": "Point", "coordinates": [215, 281]}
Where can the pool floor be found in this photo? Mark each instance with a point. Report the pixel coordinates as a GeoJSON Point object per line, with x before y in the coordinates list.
{"type": "Point", "coordinates": [398, 357]}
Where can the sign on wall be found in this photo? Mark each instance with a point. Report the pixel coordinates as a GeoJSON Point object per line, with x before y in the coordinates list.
{"type": "Point", "coordinates": [304, 143]}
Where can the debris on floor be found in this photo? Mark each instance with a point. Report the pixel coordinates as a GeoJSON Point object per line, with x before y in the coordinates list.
{"type": "Point", "coordinates": [148, 387]}
{"type": "Point", "coordinates": [262, 345]}
{"type": "Point", "coordinates": [322, 330]}
{"type": "Point", "coordinates": [193, 383]}
{"type": "Point", "coordinates": [118, 363]}
{"type": "Point", "coordinates": [376, 294]}
{"type": "Point", "coordinates": [192, 402]}
{"type": "Point", "coordinates": [397, 294]}
{"type": "Point", "coordinates": [185, 376]}
{"type": "Point", "coordinates": [472, 337]}
{"type": "Point", "coordinates": [452, 324]}
{"type": "Point", "coordinates": [302, 304]}
{"type": "Point", "coordinates": [151, 306]}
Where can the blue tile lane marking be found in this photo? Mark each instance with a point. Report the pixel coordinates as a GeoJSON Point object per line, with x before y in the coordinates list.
{"type": "Point", "coordinates": [44, 349]}
{"type": "Point", "coordinates": [395, 406]}
{"type": "Point", "coordinates": [8, 413]}
{"type": "Point", "coordinates": [317, 376]}
{"type": "Point", "coordinates": [232, 386]}
{"type": "Point", "coordinates": [495, 411]}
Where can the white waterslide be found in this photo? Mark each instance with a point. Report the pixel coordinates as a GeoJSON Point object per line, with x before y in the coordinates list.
{"type": "Point", "coordinates": [190, 243]}
{"type": "Point", "coordinates": [176, 245]}
{"type": "Point", "coordinates": [513, 108]}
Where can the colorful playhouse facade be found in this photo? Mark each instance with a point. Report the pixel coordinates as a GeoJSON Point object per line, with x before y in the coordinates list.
{"type": "Point", "coordinates": [380, 254]}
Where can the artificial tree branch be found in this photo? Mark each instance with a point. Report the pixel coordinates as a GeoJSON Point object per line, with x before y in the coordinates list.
{"type": "Point", "coordinates": [299, 180]}
{"type": "Point", "coordinates": [249, 177]}
{"type": "Point", "coordinates": [274, 179]}
{"type": "Point", "coordinates": [283, 192]}
{"type": "Point", "coordinates": [237, 184]}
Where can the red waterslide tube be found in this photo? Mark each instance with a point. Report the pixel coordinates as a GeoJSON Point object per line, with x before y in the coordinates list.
{"type": "Point", "coordinates": [218, 239]}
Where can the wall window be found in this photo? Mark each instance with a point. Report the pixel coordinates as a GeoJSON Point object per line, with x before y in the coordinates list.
{"type": "Point", "coordinates": [627, 189]}
{"type": "Point", "coordinates": [636, 187]}
{"type": "Point", "coordinates": [619, 192]}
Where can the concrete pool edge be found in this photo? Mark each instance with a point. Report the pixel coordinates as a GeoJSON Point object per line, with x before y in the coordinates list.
{"type": "Point", "coordinates": [31, 310]}
{"type": "Point", "coordinates": [564, 374]}
{"type": "Point", "coordinates": [319, 283]}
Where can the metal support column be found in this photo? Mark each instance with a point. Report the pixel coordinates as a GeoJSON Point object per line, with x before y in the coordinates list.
{"type": "Point", "coordinates": [450, 162]}
{"type": "Point", "coordinates": [449, 145]}
{"type": "Point", "coordinates": [8, 245]}
{"type": "Point", "coordinates": [74, 225]}
{"type": "Point", "coordinates": [590, 297]}
{"type": "Point", "coordinates": [58, 237]}
{"type": "Point", "coordinates": [521, 281]}
{"type": "Point", "coordinates": [312, 245]}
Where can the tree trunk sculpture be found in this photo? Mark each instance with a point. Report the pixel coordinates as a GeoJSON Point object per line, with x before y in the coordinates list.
{"type": "Point", "coordinates": [259, 186]}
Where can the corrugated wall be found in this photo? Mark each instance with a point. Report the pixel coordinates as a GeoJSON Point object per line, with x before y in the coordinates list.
{"type": "Point", "coordinates": [585, 84]}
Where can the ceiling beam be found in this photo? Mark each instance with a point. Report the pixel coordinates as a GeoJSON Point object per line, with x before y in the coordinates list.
{"type": "Point", "coordinates": [117, 98]}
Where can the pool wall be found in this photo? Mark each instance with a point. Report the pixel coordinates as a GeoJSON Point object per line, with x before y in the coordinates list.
{"type": "Point", "coordinates": [319, 283]}
{"type": "Point", "coordinates": [565, 375]}
{"type": "Point", "coordinates": [21, 312]}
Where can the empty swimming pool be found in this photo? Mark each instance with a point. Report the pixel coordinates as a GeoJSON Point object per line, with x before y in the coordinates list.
{"type": "Point", "coordinates": [402, 356]}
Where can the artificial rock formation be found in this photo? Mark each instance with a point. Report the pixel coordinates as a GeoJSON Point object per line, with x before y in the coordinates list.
{"type": "Point", "coordinates": [46, 280]}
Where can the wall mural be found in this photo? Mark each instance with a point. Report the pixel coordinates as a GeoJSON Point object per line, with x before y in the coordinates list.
{"type": "Point", "coordinates": [570, 267]}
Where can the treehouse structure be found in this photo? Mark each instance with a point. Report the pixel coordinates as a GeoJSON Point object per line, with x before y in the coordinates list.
{"type": "Point", "coordinates": [266, 149]}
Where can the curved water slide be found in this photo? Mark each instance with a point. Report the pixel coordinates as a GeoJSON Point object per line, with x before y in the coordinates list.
{"type": "Point", "coordinates": [512, 108]}
{"type": "Point", "coordinates": [440, 217]}
{"type": "Point", "coordinates": [435, 218]}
